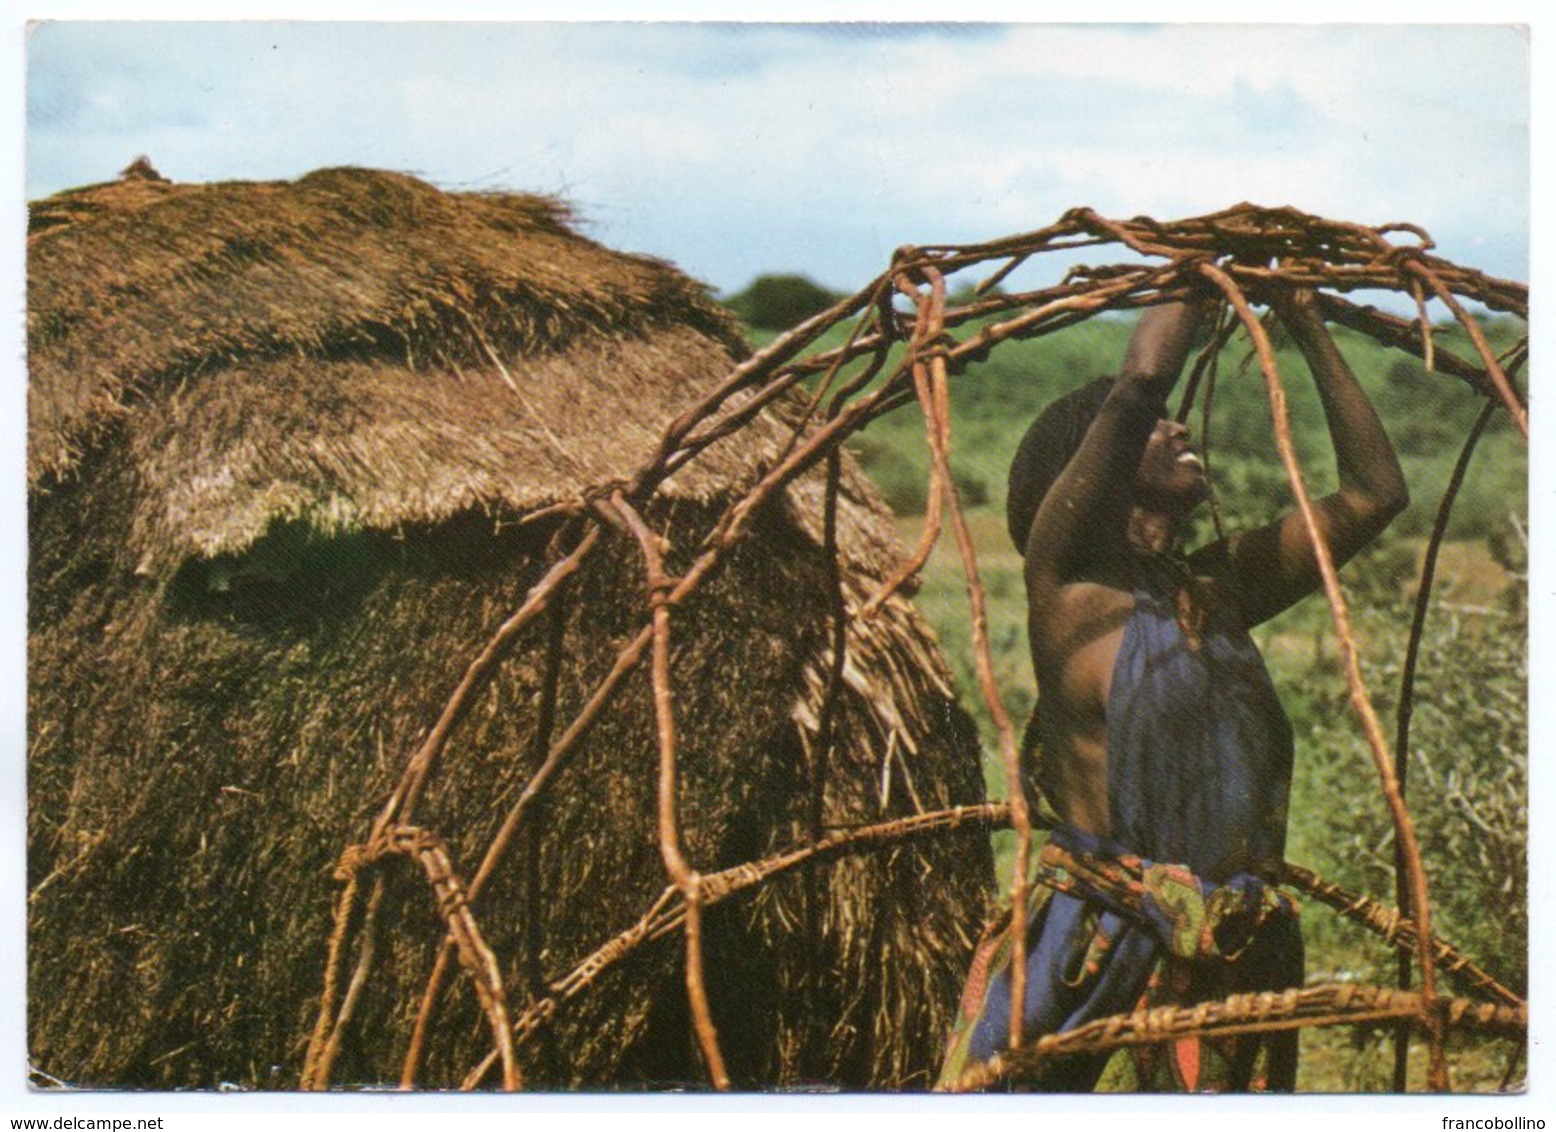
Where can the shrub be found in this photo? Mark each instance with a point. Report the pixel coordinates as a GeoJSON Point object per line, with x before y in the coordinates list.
{"type": "Point", "coordinates": [1467, 775]}
{"type": "Point", "coordinates": [777, 302]}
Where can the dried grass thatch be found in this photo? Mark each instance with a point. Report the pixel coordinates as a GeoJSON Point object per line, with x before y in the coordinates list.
{"type": "Point", "coordinates": [291, 447]}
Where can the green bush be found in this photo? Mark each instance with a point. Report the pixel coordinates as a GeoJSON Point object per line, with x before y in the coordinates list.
{"type": "Point", "coordinates": [1467, 777]}
{"type": "Point", "coordinates": [777, 302]}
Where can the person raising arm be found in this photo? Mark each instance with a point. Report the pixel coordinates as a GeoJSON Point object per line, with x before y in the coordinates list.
{"type": "Point", "coordinates": [1159, 740]}
{"type": "Point", "coordinates": [1274, 566]}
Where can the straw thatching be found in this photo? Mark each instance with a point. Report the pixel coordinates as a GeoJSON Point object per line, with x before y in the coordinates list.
{"type": "Point", "coordinates": [290, 446]}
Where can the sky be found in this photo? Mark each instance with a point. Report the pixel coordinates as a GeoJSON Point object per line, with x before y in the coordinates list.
{"type": "Point", "coordinates": [737, 149]}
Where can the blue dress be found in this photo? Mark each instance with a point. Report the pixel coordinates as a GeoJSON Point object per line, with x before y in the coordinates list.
{"type": "Point", "coordinates": [1199, 775]}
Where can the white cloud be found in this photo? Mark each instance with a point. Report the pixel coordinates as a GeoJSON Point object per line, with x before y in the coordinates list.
{"type": "Point", "coordinates": [704, 143]}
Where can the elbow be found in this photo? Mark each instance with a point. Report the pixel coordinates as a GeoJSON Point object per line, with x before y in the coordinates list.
{"type": "Point", "coordinates": [1396, 503]}
{"type": "Point", "coordinates": [1379, 490]}
{"type": "Point", "coordinates": [1369, 512]}
{"type": "Point", "coordinates": [1382, 506]}
{"type": "Point", "coordinates": [1393, 499]}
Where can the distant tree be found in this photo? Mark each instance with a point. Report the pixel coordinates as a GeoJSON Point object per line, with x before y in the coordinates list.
{"type": "Point", "coordinates": [777, 302]}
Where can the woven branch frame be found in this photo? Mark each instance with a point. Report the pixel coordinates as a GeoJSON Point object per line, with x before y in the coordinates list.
{"type": "Point", "coordinates": [1247, 254]}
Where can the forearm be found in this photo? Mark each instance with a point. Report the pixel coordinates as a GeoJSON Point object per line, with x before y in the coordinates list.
{"type": "Point", "coordinates": [1094, 490]}
{"type": "Point", "coordinates": [1368, 468]}
{"type": "Point", "coordinates": [1160, 345]}
{"type": "Point", "coordinates": [1275, 565]}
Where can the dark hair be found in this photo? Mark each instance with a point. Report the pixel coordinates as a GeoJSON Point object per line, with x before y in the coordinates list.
{"type": "Point", "coordinates": [1047, 447]}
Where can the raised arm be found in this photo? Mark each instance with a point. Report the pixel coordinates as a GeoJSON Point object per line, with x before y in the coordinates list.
{"type": "Point", "coordinates": [1093, 492]}
{"type": "Point", "coordinates": [1274, 566]}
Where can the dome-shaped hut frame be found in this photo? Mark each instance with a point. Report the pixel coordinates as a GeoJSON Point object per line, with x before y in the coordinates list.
{"type": "Point", "coordinates": [894, 356]}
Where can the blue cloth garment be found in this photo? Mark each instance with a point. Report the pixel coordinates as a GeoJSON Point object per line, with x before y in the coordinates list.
{"type": "Point", "coordinates": [1199, 775]}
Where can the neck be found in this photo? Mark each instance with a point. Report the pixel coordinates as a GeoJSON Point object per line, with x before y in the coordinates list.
{"type": "Point", "coordinates": [1151, 532]}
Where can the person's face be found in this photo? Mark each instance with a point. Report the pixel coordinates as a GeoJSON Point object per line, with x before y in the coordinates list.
{"type": "Point", "coordinates": [1170, 471]}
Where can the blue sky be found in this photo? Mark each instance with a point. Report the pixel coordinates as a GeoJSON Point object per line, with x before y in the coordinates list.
{"type": "Point", "coordinates": [734, 149]}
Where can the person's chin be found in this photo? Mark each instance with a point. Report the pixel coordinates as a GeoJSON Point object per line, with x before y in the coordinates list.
{"type": "Point", "coordinates": [1191, 493]}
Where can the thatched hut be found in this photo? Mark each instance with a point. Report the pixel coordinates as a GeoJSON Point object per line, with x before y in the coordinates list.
{"type": "Point", "coordinates": [292, 448]}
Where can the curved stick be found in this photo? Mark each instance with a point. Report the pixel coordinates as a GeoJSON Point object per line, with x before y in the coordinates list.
{"type": "Point", "coordinates": [327, 1034]}
{"type": "Point", "coordinates": [319, 1041]}
{"type": "Point", "coordinates": [1504, 386]}
{"type": "Point", "coordinates": [330, 1028]}
{"type": "Point", "coordinates": [680, 870]}
{"type": "Point", "coordinates": [930, 535]}
{"type": "Point", "coordinates": [1407, 685]}
{"type": "Point", "coordinates": [1361, 702]}
{"type": "Point", "coordinates": [665, 916]}
{"type": "Point", "coordinates": [933, 375]}
{"type": "Point", "coordinates": [1398, 931]}
{"type": "Point", "coordinates": [402, 803]}
{"type": "Point", "coordinates": [1269, 1012]}
{"type": "Point", "coordinates": [540, 743]}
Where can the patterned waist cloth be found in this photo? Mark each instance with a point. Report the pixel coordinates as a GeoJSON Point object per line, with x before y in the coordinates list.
{"type": "Point", "coordinates": [1110, 931]}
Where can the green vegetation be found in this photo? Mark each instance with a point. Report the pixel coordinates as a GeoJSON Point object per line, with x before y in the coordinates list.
{"type": "Point", "coordinates": [776, 302]}
{"type": "Point", "coordinates": [1468, 766]}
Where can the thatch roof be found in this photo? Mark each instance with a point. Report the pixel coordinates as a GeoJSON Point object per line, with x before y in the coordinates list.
{"type": "Point", "coordinates": [371, 352]}
{"type": "Point", "coordinates": [283, 441]}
